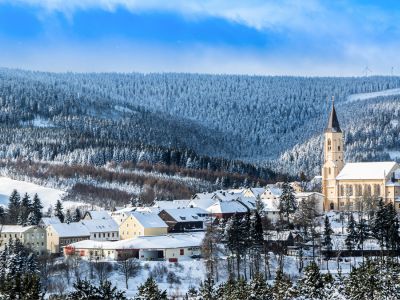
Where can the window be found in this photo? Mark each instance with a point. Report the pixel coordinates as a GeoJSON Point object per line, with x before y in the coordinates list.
{"type": "Point", "coordinates": [329, 144]}
{"type": "Point", "coordinates": [338, 149]}
{"type": "Point", "coordinates": [182, 251]}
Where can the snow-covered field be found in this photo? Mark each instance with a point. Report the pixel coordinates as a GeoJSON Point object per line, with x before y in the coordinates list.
{"type": "Point", "coordinates": [48, 196]}
{"type": "Point", "coordinates": [366, 96]}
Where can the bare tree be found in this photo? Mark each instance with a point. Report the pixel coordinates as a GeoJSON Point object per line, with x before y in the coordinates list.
{"type": "Point", "coordinates": [129, 268]}
{"type": "Point", "coordinates": [102, 269]}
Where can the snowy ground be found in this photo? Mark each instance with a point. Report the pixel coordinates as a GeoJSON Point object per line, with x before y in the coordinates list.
{"type": "Point", "coordinates": [366, 96]}
{"type": "Point", "coordinates": [48, 196]}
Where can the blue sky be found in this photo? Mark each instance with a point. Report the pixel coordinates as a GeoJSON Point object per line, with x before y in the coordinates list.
{"type": "Point", "coordinates": [236, 37]}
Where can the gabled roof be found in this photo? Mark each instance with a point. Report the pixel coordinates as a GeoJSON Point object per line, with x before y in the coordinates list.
{"type": "Point", "coordinates": [70, 230]}
{"type": "Point", "coordinates": [227, 207]}
{"type": "Point", "coordinates": [366, 170]}
{"type": "Point", "coordinates": [148, 220]}
{"type": "Point", "coordinates": [333, 122]}
{"type": "Point", "coordinates": [14, 228]}
{"type": "Point", "coordinates": [203, 203]}
{"type": "Point", "coordinates": [98, 214]}
{"type": "Point", "coordinates": [170, 241]}
{"type": "Point", "coordinates": [46, 221]}
{"type": "Point", "coordinates": [102, 225]}
{"type": "Point", "coordinates": [187, 214]}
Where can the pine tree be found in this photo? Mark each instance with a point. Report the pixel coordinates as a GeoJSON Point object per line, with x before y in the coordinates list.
{"type": "Point", "coordinates": [68, 217]}
{"type": "Point", "coordinates": [351, 237]}
{"type": "Point", "coordinates": [150, 291]}
{"type": "Point", "coordinates": [256, 240]}
{"type": "Point", "coordinates": [281, 289]}
{"type": "Point", "coordinates": [206, 290]}
{"type": "Point", "coordinates": [287, 202]}
{"type": "Point", "coordinates": [36, 209]}
{"type": "Point", "coordinates": [2, 215]}
{"type": "Point", "coordinates": [26, 208]}
{"type": "Point", "coordinates": [379, 223]}
{"type": "Point", "coordinates": [310, 286]}
{"type": "Point", "coordinates": [327, 239]}
{"type": "Point", "coordinates": [58, 211]}
{"type": "Point", "coordinates": [77, 215]}
{"type": "Point", "coordinates": [13, 209]}
{"type": "Point", "coordinates": [259, 288]}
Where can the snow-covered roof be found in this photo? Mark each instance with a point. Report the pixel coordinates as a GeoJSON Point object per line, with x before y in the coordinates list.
{"type": "Point", "coordinates": [203, 203]}
{"type": "Point", "coordinates": [171, 204]}
{"type": "Point", "coordinates": [170, 241]}
{"type": "Point", "coordinates": [102, 225]}
{"type": "Point", "coordinates": [257, 191]}
{"type": "Point", "coordinates": [307, 194]}
{"type": "Point", "coordinates": [187, 214]}
{"type": "Point", "coordinates": [148, 220]}
{"type": "Point", "coordinates": [274, 235]}
{"type": "Point", "coordinates": [98, 214]}
{"type": "Point", "coordinates": [273, 190]}
{"type": "Point", "coordinates": [14, 228]}
{"type": "Point", "coordinates": [70, 230]}
{"type": "Point", "coordinates": [366, 170]}
{"type": "Point", "coordinates": [226, 195]}
{"type": "Point", "coordinates": [227, 207]}
{"type": "Point", "coordinates": [46, 221]}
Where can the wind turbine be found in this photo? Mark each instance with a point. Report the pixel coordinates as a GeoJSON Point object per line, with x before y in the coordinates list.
{"type": "Point", "coordinates": [366, 71]}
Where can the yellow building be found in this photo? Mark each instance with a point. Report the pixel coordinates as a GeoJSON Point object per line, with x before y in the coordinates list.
{"type": "Point", "coordinates": [142, 224]}
{"type": "Point", "coordinates": [33, 237]}
{"type": "Point", "coordinates": [347, 186]}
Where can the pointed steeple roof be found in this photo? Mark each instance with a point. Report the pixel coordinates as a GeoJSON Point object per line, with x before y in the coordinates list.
{"type": "Point", "coordinates": [333, 122]}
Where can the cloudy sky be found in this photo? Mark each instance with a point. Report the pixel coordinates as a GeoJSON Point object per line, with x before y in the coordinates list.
{"type": "Point", "coordinates": [293, 37]}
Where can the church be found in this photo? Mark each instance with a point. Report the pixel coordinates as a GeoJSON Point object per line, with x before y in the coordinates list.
{"type": "Point", "coordinates": [345, 185]}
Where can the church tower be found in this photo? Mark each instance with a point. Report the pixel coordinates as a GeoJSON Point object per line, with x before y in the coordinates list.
{"type": "Point", "coordinates": [333, 161]}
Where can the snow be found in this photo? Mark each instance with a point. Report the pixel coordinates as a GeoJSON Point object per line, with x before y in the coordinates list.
{"type": "Point", "coordinates": [123, 109]}
{"type": "Point", "coordinates": [98, 214]}
{"type": "Point", "coordinates": [14, 228]}
{"type": "Point", "coordinates": [366, 96]}
{"type": "Point", "coordinates": [226, 207]}
{"type": "Point", "coordinates": [202, 202]}
{"type": "Point", "coordinates": [165, 204]}
{"type": "Point", "coordinates": [48, 196]}
{"type": "Point", "coordinates": [170, 241]}
{"type": "Point", "coordinates": [187, 214]}
{"type": "Point", "coordinates": [394, 154]}
{"type": "Point", "coordinates": [70, 230]}
{"type": "Point", "coordinates": [366, 170]}
{"type": "Point", "coordinates": [101, 225]}
{"type": "Point", "coordinates": [38, 122]}
{"type": "Point", "coordinates": [148, 220]}
{"type": "Point", "coordinates": [46, 221]}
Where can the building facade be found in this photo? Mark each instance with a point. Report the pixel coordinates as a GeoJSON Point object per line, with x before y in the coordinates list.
{"type": "Point", "coordinates": [353, 186]}
{"type": "Point", "coordinates": [32, 237]}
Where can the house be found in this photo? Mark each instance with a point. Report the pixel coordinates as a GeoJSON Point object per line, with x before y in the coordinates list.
{"type": "Point", "coordinates": [346, 184]}
{"type": "Point", "coordinates": [184, 219]}
{"type": "Point", "coordinates": [226, 209]}
{"type": "Point", "coordinates": [62, 234]}
{"type": "Point", "coordinates": [202, 200]}
{"type": "Point", "coordinates": [96, 215]}
{"type": "Point", "coordinates": [171, 247]}
{"type": "Point", "coordinates": [33, 237]}
{"type": "Point", "coordinates": [46, 221]}
{"type": "Point", "coordinates": [312, 196]}
{"type": "Point", "coordinates": [253, 192]}
{"type": "Point", "coordinates": [102, 229]}
{"type": "Point", "coordinates": [271, 193]}
{"type": "Point", "coordinates": [278, 241]}
{"type": "Point", "coordinates": [142, 224]}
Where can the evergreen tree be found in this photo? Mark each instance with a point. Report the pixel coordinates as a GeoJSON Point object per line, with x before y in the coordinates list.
{"type": "Point", "coordinates": [287, 202]}
{"type": "Point", "coordinates": [2, 215]}
{"type": "Point", "coordinates": [36, 209]}
{"type": "Point", "coordinates": [68, 217]}
{"type": "Point", "coordinates": [26, 208]}
{"type": "Point", "coordinates": [362, 234]}
{"type": "Point", "coordinates": [150, 291]}
{"type": "Point", "coordinates": [256, 239]}
{"type": "Point", "coordinates": [207, 290]}
{"type": "Point", "coordinates": [281, 289]}
{"type": "Point", "coordinates": [310, 286]}
{"type": "Point", "coordinates": [327, 239]}
{"type": "Point", "coordinates": [77, 215]}
{"type": "Point", "coordinates": [259, 288]}
{"type": "Point", "coordinates": [58, 211]}
{"type": "Point", "coordinates": [13, 209]}
{"type": "Point", "coordinates": [351, 237]}
{"type": "Point", "coordinates": [379, 224]}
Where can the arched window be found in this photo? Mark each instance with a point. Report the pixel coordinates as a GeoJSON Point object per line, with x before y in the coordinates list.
{"type": "Point", "coordinates": [332, 206]}
{"type": "Point", "coordinates": [338, 148]}
{"type": "Point", "coordinates": [329, 171]}
{"type": "Point", "coordinates": [377, 189]}
{"type": "Point", "coordinates": [349, 189]}
{"type": "Point", "coordinates": [329, 144]}
{"type": "Point", "coordinates": [367, 190]}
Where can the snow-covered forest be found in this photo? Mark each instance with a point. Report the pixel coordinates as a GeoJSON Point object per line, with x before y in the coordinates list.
{"type": "Point", "coordinates": [96, 118]}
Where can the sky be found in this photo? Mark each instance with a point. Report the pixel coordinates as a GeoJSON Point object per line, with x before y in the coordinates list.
{"type": "Point", "coordinates": [261, 37]}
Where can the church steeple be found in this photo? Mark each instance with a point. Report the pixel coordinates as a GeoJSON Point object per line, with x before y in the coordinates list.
{"type": "Point", "coordinates": [333, 160]}
{"type": "Point", "coordinates": [333, 122]}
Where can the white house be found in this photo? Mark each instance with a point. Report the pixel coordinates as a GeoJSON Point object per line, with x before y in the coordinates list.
{"type": "Point", "coordinates": [102, 229]}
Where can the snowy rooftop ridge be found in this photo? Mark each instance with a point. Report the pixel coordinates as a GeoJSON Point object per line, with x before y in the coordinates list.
{"type": "Point", "coordinates": [148, 220]}
{"type": "Point", "coordinates": [169, 241]}
{"type": "Point", "coordinates": [366, 170]}
{"type": "Point", "coordinates": [14, 228]}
